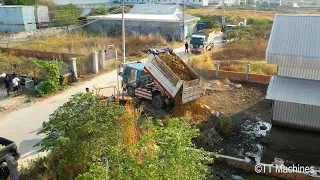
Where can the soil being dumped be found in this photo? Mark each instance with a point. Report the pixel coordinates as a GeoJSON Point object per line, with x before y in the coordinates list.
{"type": "Point", "coordinates": [175, 64]}
{"type": "Point", "coordinates": [195, 110]}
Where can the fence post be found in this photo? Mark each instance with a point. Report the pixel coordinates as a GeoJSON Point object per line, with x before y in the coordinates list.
{"type": "Point", "coordinates": [95, 62]}
{"type": "Point", "coordinates": [102, 56]}
{"type": "Point", "coordinates": [248, 72]}
{"type": "Point", "coordinates": [74, 67]}
{"type": "Point", "coordinates": [217, 68]}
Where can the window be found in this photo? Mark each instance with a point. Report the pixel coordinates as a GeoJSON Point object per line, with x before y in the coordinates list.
{"type": "Point", "coordinates": [158, 0]}
{"type": "Point", "coordinates": [143, 73]}
{"type": "Point", "coordinates": [199, 0]}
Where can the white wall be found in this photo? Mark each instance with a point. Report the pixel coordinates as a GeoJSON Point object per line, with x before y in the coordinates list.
{"type": "Point", "coordinates": [296, 115]}
{"type": "Point", "coordinates": [299, 72]}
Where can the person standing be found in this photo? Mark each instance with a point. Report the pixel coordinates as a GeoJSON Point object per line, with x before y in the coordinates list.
{"type": "Point", "coordinates": [7, 84]}
{"type": "Point", "coordinates": [16, 82]}
{"type": "Point", "coordinates": [12, 164]}
{"type": "Point", "coordinates": [186, 45]}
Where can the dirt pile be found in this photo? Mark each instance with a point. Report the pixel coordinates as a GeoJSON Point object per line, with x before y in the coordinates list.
{"type": "Point", "coordinates": [196, 110]}
{"type": "Point", "coordinates": [175, 64]}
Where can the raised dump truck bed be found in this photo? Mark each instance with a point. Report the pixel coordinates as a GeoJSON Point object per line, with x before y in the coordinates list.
{"type": "Point", "coordinates": [172, 74]}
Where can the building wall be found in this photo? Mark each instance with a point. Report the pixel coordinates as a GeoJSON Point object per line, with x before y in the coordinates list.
{"type": "Point", "coordinates": [166, 29]}
{"type": "Point", "coordinates": [191, 2]}
{"type": "Point", "coordinates": [299, 72]}
{"type": "Point", "coordinates": [17, 19]}
{"type": "Point", "coordinates": [296, 115]}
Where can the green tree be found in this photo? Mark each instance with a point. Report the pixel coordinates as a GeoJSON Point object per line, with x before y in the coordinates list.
{"type": "Point", "coordinates": [240, 33]}
{"type": "Point", "coordinates": [20, 2]}
{"type": "Point", "coordinates": [83, 130]}
{"type": "Point", "coordinates": [65, 15]}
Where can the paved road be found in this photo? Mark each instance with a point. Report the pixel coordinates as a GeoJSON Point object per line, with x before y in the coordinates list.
{"type": "Point", "coordinates": [21, 126]}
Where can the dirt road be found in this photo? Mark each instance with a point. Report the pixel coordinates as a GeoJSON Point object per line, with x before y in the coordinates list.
{"type": "Point", "coordinates": [22, 125]}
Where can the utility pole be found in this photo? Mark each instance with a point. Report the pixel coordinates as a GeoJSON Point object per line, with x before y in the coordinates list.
{"type": "Point", "coordinates": [123, 36]}
{"type": "Point", "coordinates": [223, 20]}
{"type": "Point", "coordinates": [184, 7]}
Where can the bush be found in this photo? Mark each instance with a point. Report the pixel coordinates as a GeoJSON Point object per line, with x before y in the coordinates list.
{"type": "Point", "coordinates": [20, 2]}
{"type": "Point", "coordinates": [83, 130]}
{"type": "Point", "coordinates": [51, 70]}
{"type": "Point", "coordinates": [209, 20]}
{"type": "Point", "coordinates": [225, 126]}
{"type": "Point", "coordinates": [65, 15]}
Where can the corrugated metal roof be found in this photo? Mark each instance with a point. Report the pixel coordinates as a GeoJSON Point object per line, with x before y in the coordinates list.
{"type": "Point", "coordinates": [139, 17]}
{"type": "Point", "coordinates": [294, 90]}
{"type": "Point", "coordinates": [147, 17]}
{"type": "Point", "coordinates": [295, 41]}
{"type": "Point", "coordinates": [154, 9]}
{"type": "Point", "coordinates": [187, 17]}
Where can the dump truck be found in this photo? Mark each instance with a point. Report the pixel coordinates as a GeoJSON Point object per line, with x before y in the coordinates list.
{"type": "Point", "coordinates": [164, 79]}
{"type": "Point", "coordinates": [200, 42]}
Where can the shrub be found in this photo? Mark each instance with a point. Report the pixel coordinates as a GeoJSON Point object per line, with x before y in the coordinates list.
{"type": "Point", "coordinates": [20, 2]}
{"type": "Point", "coordinates": [51, 70]}
{"type": "Point", "coordinates": [83, 130]}
{"type": "Point", "coordinates": [225, 126]}
{"type": "Point", "coordinates": [65, 15]}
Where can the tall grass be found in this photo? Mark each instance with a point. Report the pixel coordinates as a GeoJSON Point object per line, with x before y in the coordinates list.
{"type": "Point", "coordinates": [256, 67]}
{"type": "Point", "coordinates": [203, 61]}
{"type": "Point", "coordinates": [26, 65]}
{"type": "Point", "coordinates": [85, 43]}
{"type": "Point", "coordinates": [252, 49]}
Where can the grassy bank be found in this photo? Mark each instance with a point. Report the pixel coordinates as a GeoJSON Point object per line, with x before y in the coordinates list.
{"type": "Point", "coordinates": [235, 57]}
{"type": "Point", "coordinates": [26, 65]}
{"type": "Point", "coordinates": [244, 14]}
{"type": "Point", "coordinates": [85, 43]}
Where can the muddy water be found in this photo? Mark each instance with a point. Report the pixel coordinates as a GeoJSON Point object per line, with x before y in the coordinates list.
{"type": "Point", "coordinates": [293, 146]}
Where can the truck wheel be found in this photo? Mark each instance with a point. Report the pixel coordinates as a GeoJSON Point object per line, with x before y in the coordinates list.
{"type": "Point", "coordinates": [130, 92]}
{"type": "Point", "coordinates": [158, 102]}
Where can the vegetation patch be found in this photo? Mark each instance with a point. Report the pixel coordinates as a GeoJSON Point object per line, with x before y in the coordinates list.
{"type": "Point", "coordinates": [86, 42]}
{"type": "Point", "coordinates": [83, 133]}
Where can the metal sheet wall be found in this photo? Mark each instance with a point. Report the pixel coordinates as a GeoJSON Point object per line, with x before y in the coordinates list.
{"type": "Point", "coordinates": [298, 115]}
{"type": "Point", "coordinates": [299, 72]}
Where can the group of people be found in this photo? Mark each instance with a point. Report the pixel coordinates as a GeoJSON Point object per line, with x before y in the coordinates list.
{"type": "Point", "coordinates": [15, 82]}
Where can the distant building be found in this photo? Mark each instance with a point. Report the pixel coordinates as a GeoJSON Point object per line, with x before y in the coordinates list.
{"type": "Point", "coordinates": [294, 47]}
{"type": "Point", "coordinates": [271, 2]}
{"type": "Point", "coordinates": [165, 20]}
{"type": "Point", "coordinates": [17, 18]}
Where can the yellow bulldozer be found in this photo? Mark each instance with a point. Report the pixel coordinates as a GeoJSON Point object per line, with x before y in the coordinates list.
{"type": "Point", "coordinates": [115, 97]}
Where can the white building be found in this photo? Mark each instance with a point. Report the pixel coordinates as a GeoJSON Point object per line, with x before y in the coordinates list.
{"type": "Point", "coordinates": [294, 46]}
{"type": "Point", "coordinates": [165, 20]}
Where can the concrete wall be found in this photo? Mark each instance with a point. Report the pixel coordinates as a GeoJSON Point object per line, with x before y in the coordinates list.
{"type": "Point", "coordinates": [296, 115]}
{"type": "Point", "coordinates": [239, 76]}
{"type": "Point", "coordinates": [166, 29]}
{"type": "Point", "coordinates": [12, 38]}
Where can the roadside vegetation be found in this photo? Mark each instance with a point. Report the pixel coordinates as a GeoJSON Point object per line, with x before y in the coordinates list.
{"type": "Point", "coordinates": [238, 15]}
{"type": "Point", "coordinates": [108, 10]}
{"type": "Point", "coordinates": [26, 65]}
{"type": "Point", "coordinates": [86, 42]}
{"type": "Point", "coordinates": [247, 45]}
{"type": "Point", "coordinates": [83, 132]}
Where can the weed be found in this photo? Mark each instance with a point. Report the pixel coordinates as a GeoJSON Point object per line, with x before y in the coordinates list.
{"type": "Point", "coordinates": [29, 99]}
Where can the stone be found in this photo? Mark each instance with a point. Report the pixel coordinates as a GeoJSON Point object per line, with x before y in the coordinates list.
{"type": "Point", "coordinates": [238, 86]}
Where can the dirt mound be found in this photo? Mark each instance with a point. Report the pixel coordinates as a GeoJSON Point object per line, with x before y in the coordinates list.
{"type": "Point", "coordinates": [175, 64]}
{"type": "Point", "coordinates": [196, 110]}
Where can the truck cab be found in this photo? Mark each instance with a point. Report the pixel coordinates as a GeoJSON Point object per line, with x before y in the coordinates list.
{"type": "Point", "coordinates": [133, 77]}
{"type": "Point", "coordinates": [200, 42]}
